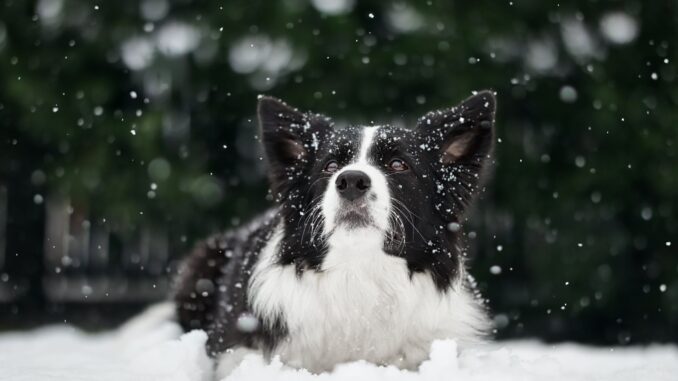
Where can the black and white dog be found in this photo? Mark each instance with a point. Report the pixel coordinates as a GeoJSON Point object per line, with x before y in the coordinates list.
{"type": "Point", "coordinates": [362, 258]}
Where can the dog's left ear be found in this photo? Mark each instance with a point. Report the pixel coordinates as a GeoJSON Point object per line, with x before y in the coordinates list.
{"type": "Point", "coordinates": [461, 134]}
{"type": "Point", "coordinates": [290, 138]}
{"type": "Point", "coordinates": [459, 141]}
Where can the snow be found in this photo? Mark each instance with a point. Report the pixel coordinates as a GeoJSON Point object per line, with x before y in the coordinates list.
{"type": "Point", "coordinates": [177, 38]}
{"type": "Point", "coordinates": [50, 11]}
{"type": "Point", "coordinates": [160, 352]}
{"type": "Point", "coordinates": [64, 353]}
{"type": "Point", "coordinates": [333, 7]}
{"type": "Point", "coordinates": [154, 10]}
{"type": "Point", "coordinates": [542, 55]}
{"type": "Point", "coordinates": [568, 94]}
{"type": "Point", "coordinates": [578, 39]}
{"type": "Point", "coordinates": [137, 53]}
{"type": "Point", "coordinates": [619, 27]}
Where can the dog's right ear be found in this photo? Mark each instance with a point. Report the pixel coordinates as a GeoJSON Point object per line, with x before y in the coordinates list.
{"type": "Point", "coordinates": [290, 138]}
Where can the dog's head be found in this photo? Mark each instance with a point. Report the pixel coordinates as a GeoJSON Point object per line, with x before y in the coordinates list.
{"type": "Point", "coordinates": [408, 187]}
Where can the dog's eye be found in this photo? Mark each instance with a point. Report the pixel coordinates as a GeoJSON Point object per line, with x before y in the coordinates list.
{"type": "Point", "coordinates": [398, 165]}
{"type": "Point", "coordinates": [331, 167]}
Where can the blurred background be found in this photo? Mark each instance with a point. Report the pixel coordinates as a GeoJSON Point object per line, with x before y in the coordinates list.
{"type": "Point", "coordinates": [127, 132]}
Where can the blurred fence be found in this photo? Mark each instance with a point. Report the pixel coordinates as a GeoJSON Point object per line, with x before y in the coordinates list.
{"type": "Point", "coordinates": [79, 258]}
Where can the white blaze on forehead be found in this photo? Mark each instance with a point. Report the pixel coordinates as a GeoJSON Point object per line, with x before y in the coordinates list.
{"type": "Point", "coordinates": [379, 199]}
{"type": "Point", "coordinates": [366, 143]}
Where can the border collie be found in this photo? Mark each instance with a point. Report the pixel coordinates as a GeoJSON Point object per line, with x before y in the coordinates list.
{"type": "Point", "coordinates": [363, 255]}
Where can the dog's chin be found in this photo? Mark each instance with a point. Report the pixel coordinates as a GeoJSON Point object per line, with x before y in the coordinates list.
{"type": "Point", "coordinates": [353, 220]}
{"type": "Point", "coordinates": [354, 216]}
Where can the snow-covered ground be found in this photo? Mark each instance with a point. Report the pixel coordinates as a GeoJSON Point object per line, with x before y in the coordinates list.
{"type": "Point", "coordinates": [137, 352]}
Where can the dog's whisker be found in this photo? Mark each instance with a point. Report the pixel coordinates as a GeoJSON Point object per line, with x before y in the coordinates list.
{"type": "Point", "coordinates": [409, 219]}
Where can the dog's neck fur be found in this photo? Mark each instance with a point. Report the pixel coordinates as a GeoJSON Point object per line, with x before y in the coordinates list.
{"type": "Point", "coordinates": [362, 304]}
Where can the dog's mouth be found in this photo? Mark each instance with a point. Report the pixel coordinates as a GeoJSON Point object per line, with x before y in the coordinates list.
{"type": "Point", "coordinates": [354, 214]}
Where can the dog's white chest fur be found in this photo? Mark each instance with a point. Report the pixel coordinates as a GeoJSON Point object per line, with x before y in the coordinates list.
{"type": "Point", "coordinates": [364, 304]}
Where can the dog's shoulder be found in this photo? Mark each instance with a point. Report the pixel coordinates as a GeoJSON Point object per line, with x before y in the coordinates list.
{"type": "Point", "coordinates": [210, 289]}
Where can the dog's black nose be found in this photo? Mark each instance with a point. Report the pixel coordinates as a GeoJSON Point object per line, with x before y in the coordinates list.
{"type": "Point", "coordinates": [353, 184]}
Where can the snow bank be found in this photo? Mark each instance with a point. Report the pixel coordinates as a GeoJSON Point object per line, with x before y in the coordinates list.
{"type": "Point", "coordinates": [160, 352]}
{"type": "Point", "coordinates": [136, 351]}
{"type": "Point", "coordinates": [499, 361]}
